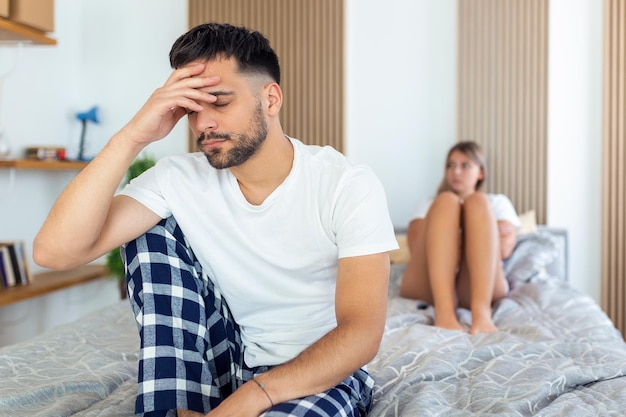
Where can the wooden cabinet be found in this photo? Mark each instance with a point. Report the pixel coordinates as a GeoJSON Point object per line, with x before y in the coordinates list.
{"type": "Point", "coordinates": [38, 14]}
{"type": "Point", "coordinates": [4, 8]}
{"type": "Point", "coordinates": [27, 21]}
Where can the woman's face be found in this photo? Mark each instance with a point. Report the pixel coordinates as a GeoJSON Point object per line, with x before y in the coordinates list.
{"type": "Point", "coordinates": [462, 173]}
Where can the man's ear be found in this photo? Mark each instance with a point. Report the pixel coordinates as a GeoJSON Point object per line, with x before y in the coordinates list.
{"type": "Point", "coordinates": [274, 97]}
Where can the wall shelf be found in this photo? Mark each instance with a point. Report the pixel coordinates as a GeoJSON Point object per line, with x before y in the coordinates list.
{"type": "Point", "coordinates": [49, 281]}
{"type": "Point", "coordinates": [13, 32]}
{"type": "Point", "coordinates": [42, 165]}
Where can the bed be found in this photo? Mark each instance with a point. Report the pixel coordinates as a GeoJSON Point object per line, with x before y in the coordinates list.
{"type": "Point", "coordinates": [556, 354]}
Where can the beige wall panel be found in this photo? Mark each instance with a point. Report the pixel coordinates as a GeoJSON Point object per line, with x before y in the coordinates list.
{"type": "Point", "coordinates": [502, 94]}
{"type": "Point", "coordinates": [614, 163]}
{"type": "Point", "coordinates": [308, 36]}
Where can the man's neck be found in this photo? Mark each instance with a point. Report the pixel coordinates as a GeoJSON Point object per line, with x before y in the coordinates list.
{"type": "Point", "coordinates": [266, 170]}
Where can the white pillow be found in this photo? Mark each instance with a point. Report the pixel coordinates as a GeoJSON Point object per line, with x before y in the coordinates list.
{"type": "Point", "coordinates": [401, 255]}
{"type": "Point", "coordinates": [528, 221]}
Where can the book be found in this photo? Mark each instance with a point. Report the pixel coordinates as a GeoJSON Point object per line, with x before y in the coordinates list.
{"type": "Point", "coordinates": [23, 262]}
{"type": "Point", "coordinates": [13, 264]}
{"type": "Point", "coordinates": [7, 266]}
{"type": "Point", "coordinates": [3, 278]}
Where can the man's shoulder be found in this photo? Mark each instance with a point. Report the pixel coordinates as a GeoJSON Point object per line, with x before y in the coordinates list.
{"type": "Point", "coordinates": [326, 158]}
{"type": "Point", "coordinates": [317, 151]}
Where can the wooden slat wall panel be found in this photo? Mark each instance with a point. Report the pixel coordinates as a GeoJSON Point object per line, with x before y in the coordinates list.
{"type": "Point", "coordinates": [502, 94]}
{"type": "Point", "coordinates": [614, 161]}
{"type": "Point", "coordinates": [308, 36]}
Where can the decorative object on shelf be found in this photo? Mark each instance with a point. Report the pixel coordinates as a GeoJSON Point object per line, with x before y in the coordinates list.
{"type": "Point", "coordinates": [114, 258]}
{"type": "Point", "coordinates": [90, 115]}
{"type": "Point", "coordinates": [45, 153]}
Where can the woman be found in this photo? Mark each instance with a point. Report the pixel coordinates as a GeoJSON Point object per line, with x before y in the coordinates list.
{"type": "Point", "coordinates": [457, 243]}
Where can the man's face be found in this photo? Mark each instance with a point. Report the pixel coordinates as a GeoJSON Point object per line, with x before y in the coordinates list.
{"type": "Point", "coordinates": [233, 128]}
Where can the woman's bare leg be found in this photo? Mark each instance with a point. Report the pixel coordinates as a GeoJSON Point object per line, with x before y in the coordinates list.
{"type": "Point", "coordinates": [415, 283]}
{"type": "Point", "coordinates": [431, 272]}
{"type": "Point", "coordinates": [482, 280]}
{"type": "Point", "coordinates": [443, 240]}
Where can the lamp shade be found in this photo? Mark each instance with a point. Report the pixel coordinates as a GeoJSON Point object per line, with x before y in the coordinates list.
{"type": "Point", "coordinates": [90, 115]}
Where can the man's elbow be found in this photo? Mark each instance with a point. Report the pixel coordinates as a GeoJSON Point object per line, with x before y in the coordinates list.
{"type": "Point", "coordinates": [371, 353]}
{"type": "Point", "coordinates": [45, 256]}
{"type": "Point", "coordinates": [371, 344]}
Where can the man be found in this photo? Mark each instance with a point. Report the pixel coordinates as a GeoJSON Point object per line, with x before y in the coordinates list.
{"type": "Point", "coordinates": [257, 267]}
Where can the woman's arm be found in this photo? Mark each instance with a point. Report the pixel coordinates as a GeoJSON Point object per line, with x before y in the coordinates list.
{"type": "Point", "coordinates": [411, 236]}
{"type": "Point", "coordinates": [508, 237]}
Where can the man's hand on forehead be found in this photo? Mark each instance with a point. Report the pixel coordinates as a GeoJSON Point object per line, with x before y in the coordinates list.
{"type": "Point", "coordinates": [189, 88]}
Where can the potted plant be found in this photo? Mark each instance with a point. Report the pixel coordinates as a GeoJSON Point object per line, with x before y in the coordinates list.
{"type": "Point", "coordinates": [114, 259]}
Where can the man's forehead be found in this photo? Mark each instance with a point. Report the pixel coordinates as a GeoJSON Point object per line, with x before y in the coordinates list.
{"type": "Point", "coordinates": [217, 66]}
{"type": "Point", "coordinates": [230, 77]}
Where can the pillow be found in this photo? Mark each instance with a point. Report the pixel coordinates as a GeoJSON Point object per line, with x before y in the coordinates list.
{"type": "Point", "coordinates": [528, 222]}
{"type": "Point", "coordinates": [400, 256]}
{"type": "Point", "coordinates": [532, 253]}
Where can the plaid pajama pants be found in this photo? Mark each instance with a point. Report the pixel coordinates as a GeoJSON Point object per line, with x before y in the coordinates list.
{"type": "Point", "coordinates": [191, 353]}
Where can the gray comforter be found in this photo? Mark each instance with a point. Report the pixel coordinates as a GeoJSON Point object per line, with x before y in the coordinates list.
{"type": "Point", "coordinates": [556, 354]}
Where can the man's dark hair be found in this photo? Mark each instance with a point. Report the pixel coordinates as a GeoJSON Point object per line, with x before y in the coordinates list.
{"type": "Point", "coordinates": [208, 41]}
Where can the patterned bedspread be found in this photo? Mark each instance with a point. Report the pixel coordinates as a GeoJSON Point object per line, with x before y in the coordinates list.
{"type": "Point", "coordinates": [556, 354]}
{"type": "Point", "coordinates": [85, 368]}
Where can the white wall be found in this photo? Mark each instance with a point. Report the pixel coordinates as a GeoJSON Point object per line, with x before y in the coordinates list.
{"type": "Point", "coordinates": [400, 98]}
{"type": "Point", "coordinates": [400, 107]}
{"type": "Point", "coordinates": [113, 54]}
{"type": "Point", "coordinates": [575, 134]}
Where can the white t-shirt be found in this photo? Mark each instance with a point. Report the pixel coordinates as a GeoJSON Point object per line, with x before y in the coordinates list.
{"type": "Point", "coordinates": [275, 263]}
{"type": "Point", "coordinates": [502, 209]}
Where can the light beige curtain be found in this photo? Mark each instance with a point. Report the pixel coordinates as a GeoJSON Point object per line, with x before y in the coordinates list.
{"type": "Point", "coordinates": [502, 94]}
{"type": "Point", "coordinates": [308, 36]}
{"type": "Point", "coordinates": [614, 161]}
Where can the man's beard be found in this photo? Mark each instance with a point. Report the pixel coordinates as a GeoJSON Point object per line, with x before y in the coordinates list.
{"type": "Point", "coordinates": [244, 144]}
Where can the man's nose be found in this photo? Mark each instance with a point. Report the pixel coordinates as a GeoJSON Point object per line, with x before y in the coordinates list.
{"type": "Point", "coordinates": [205, 120]}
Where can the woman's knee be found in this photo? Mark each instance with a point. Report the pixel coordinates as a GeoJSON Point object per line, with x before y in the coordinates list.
{"type": "Point", "coordinates": [447, 202]}
{"type": "Point", "coordinates": [477, 200]}
{"type": "Point", "coordinates": [448, 197]}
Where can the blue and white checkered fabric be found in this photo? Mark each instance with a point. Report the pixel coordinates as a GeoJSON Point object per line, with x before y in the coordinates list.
{"type": "Point", "coordinates": [191, 350]}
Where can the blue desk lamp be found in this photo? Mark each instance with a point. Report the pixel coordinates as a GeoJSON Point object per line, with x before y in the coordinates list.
{"type": "Point", "coordinates": [90, 115]}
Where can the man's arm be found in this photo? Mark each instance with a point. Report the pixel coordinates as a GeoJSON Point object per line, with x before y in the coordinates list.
{"type": "Point", "coordinates": [85, 214]}
{"type": "Point", "coordinates": [361, 306]}
{"type": "Point", "coordinates": [86, 221]}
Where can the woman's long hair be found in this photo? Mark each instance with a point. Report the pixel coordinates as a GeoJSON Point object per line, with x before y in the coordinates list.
{"type": "Point", "coordinates": [475, 153]}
